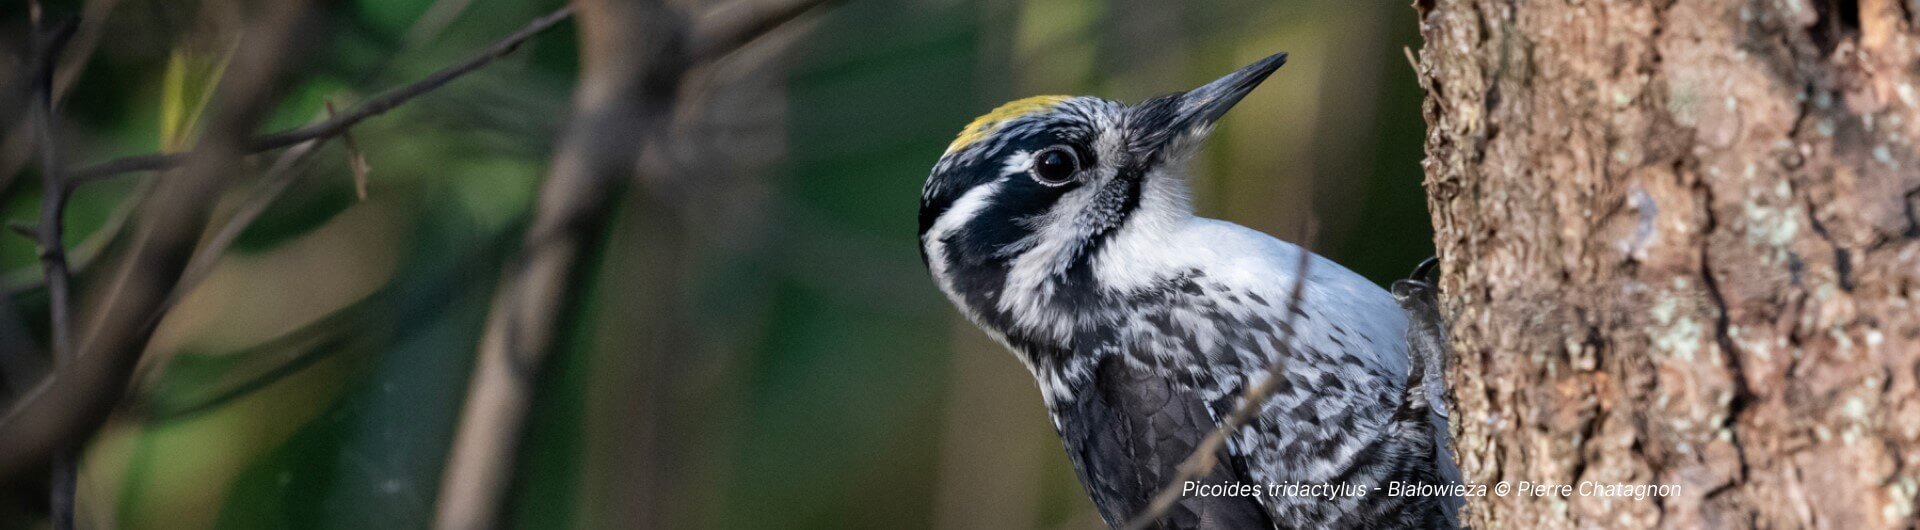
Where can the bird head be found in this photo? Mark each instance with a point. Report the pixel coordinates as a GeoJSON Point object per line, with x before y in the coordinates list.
{"type": "Point", "coordinates": [1027, 196]}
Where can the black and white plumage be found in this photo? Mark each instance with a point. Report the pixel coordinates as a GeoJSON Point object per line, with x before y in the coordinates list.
{"type": "Point", "coordinates": [1063, 227]}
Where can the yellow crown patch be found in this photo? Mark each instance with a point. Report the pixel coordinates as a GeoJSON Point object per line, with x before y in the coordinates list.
{"type": "Point", "coordinates": [987, 122]}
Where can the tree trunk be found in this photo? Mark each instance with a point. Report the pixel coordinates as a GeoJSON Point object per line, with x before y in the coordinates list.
{"type": "Point", "coordinates": [1679, 248]}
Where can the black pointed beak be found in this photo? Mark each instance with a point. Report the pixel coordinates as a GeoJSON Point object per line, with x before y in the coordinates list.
{"type": "Point", "coordinates": [1202, 106]}
{"type": "Point", "coordinates": [1162, 123]}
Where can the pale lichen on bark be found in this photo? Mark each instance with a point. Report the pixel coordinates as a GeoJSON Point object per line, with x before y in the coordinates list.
{"type": "Point", "coordinates": [1679, 248]}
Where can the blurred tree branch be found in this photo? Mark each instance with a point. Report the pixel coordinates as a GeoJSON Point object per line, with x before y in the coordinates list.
{"type": "Point", "coordinates": [33, 91]}
{"type": "Point", "coordinates": [93, 23]}
{"type": "Point", "coordinates": [80, 256]}
{"type": "Point", "coordinates": [622, 46]}
{"type": "Point", "coordinates": [49, 40]}
{"type": "Point", "coordinates": [64, 407]}
{"type": "Point", "coordinates": [62, 412]}
{"type": "Point", "coordinates": [721, 30]}
{"type": "Point", "coordinates": [634, 56]}
{"type": "Point", "coordinates": [14, 146]}
{"type": "Point", "coordinates": [376, 106]}
{"type": "Point", "coordinates": [285, 171]}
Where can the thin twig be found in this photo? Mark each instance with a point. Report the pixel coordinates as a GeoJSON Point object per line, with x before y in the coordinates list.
{"type": "Point", "coordinates": [1202, 460]}
{"type": "Point", "coordinates": [65, 410]}
{"type": "Point", "coordinates": [54, 193]}
{"type": "Point", "coordinates": [81, 256]}
{"type": "Point", "coordinates": [285, 171]}
{"type": "Point", "coordinates": [731, 26]}
{"type": "Point", "coordinates": [53, 250]}
{"type": "Point", "coordinates": [14, 150]}
{"type": "Point", "coordinates": [375, 106]}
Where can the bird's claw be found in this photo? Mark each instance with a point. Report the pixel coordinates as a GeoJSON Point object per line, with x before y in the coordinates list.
{"type": "Point", "coordinates": [1426, 329]}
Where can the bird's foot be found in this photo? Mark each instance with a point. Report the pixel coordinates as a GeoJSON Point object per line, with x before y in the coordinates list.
{"type": "Point", "coordinates": [1426, 330]}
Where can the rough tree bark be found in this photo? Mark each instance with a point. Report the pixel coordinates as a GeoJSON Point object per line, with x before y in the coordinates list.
{"type": "Point", "coordinates": [1680, 247]}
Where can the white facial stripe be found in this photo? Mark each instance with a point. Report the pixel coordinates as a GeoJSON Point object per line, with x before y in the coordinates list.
{"type": "Point", "coordinates": [963, 210]}
{"type": "Point", "coordinates": [936, 240]}
{"type": "Point", "coordinates": [1017, 163]}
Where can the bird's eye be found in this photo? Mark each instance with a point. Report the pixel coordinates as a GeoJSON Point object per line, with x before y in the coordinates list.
{"type": "Point", "coordinates": [1054, 166]}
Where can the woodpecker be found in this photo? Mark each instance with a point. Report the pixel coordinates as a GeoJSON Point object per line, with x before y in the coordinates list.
{"type": "Point", "coordinates": [1063, 227]}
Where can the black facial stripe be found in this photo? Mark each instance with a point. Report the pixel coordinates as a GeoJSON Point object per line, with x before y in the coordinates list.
{"type": "Point", "coordinates": [959, 172]}
{"type": "Point", "coordinates": [997, 225]}
{"type": "Point", "coordinates": [978, 255]}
